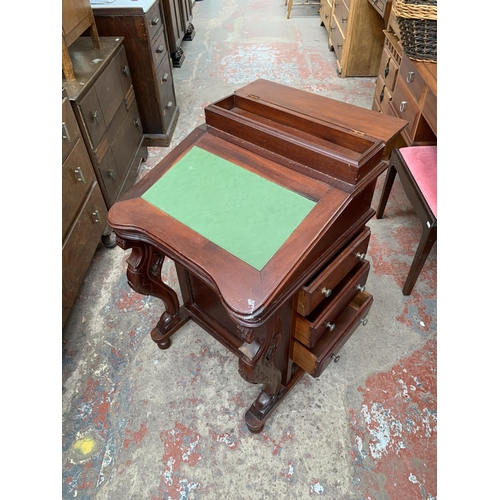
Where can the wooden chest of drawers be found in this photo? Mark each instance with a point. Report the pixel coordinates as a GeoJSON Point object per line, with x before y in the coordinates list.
{"type": "Point", "coordinates": [84, 211]}
{"type": "Point", "coordinates": [104, 103]}
{"type": "Point", "coordinates": [141, 23]}
{"type": "Point", "coordinates": [355, 33]}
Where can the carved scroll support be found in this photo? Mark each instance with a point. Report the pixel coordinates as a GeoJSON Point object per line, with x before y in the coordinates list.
{"type": "Point", "coordinates": [144, 276]}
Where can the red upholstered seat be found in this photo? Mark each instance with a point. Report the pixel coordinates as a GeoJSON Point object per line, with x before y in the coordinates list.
{"type": "Point", "coordinates": [417, 170]}
{"type": "Point", "coordinates": [422, 163]}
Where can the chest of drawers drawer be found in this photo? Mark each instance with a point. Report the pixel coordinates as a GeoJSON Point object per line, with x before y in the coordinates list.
{"type": "Point", "coordinates": [341, 15]}
{"type": "Point", "coordinates": [159, 48]}
{"type": "Point", "coordinates": [411, 78]}
{"type": "Point", "coordinates": [310, 329]}
{"type": "Point", "coordinates": [153, 20]}
{"type": "Point", "coordinates": [315, 360]}
{"type": "Point", "coordinates": [320, 287]}
{"type": "Point", "coordinates": [70, 130]}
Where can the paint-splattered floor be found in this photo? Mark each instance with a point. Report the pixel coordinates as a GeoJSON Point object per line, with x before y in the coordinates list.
{"type": "Point", "coordinates": [140, 423]}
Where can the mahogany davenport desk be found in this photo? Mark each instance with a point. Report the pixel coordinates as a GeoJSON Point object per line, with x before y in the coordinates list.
{"type": "Point", "coordinates": [263, 210]}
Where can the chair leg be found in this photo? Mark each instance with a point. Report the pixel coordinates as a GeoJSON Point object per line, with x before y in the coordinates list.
{"type": "Point", "coordinates": [429, 237]}
{"type": "Point", "coordinates": [386, 190]}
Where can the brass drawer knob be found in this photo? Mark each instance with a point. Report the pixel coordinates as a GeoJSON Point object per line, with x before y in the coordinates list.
{"type": "Point", "coordinates": [326, 291]}
{"type": "Point", "coordinates": [361, 288]}
{"type": "Point", "coordinates": [330, 326]}
{"type": "Point", "coordinates": [96, 216]}
{"type": "Point", "coordinates": [79, 175]}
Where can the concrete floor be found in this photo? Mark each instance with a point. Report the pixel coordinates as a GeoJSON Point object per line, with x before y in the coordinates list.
{"type": "Point", "coordinates": [140, 423]}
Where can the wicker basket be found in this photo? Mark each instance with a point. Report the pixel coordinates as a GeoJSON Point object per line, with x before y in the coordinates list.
{"type": "Point", "coordinates": [417, 21]}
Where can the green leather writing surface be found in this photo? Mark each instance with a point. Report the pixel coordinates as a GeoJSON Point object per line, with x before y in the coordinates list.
{"type": "Point", "coordinates": [238, 210]}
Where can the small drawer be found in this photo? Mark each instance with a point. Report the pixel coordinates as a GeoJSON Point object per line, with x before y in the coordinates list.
{"type": "Point", "coordinates": [159, 48]}
{"type": "Point", "coordinates": [70, 129]}
{"type": "Point", "coordinates": [153, 20]}
{"type": "Point", "coordinates": [412, 78]}
{"type": "Point", "coordinates": [338, 41]}
{"type": "Point", "coordinates": [165, 82]}
{"type": "Point", "coordinates": [315, 360]}
{"type": "Point", "coordinates": [323, 319]}
{"type": "Point", "coordinates": [388, 69]}
{"type": "Point", "coordinates": [341, 13]}
{"type": "Point", "coordinates": [110, 176]}
{"type": "Point", "coordinates": [321, 286]}
{"type": "Point", "coordinates": [325, 12]}
{"type": "Point", "coordinates": [404, 105]}
{"type": "Point", "coordinates": [124, 71]}
{"type": "Point", "coordinates": [77, 178]}
{"type": "Point", "coordinates": [109, 92]}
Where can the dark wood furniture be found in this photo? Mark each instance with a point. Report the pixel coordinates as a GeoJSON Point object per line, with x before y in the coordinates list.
{"type": "Point", "coordinates": [142, 25]}
{"type": "Point", "coordinates": [84, 212]}
{"type": "Point", "coordinates": [178, 17]}
{"type": "Point", "coordinates": [103, 101]}
{"type": "Point", "coordinates": [294, 314]}
{"type": "Point", "coordinates": [417, 169]}
{"type": "Point", "coordinates": [77, 17]}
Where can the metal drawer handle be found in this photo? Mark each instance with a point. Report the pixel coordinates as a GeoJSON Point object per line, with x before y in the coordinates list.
{"type": "Point", "coordinates": [344, 19]}
{"type": "Point", "coordinates": [335, 358]}
{"type": "Point", "coordinates": [126, 70]}
{"type": "Point", "coordinates": [335, 4]}
{"type": "Point", "coordinates": [79, 175]}
{"type": "Point", "coordinates": [402, 106]}
{"type": "Point", "coordinates": [363, 321]}
{"type": "Point", "coordinates": [339, 45]}
{"type": "Point", "coordinates": [160, 49]}
{"type": "Point", "coordinates": [155, 21]}
{"type": "Point", "coordinates": [326, 291]}
{"type": "Point", "coordinates": [65, 132]}
{"type": "Point", "coordinates": [386, 71]}
{"type": "Point", "coordinates": [97, 217]}
{"type": "Point", "coordinates": [360, 256]}
{"type": "Point", "coordinates": [361, 288]}
{"type": "Point", "coordinates": [112, 174]}
{"type": "Point", "coordinates": [97, 117]}
{"type": "Point", "coordinates": [164, 78]}
{"type": "Point", "coordinates": [330, 326]}
{"type": "Point", "coordinates": [169, 105]}
{"type": "Point", "coordinates": [410, 77]}
{"type": "Point", "coordinates": [137, 122]}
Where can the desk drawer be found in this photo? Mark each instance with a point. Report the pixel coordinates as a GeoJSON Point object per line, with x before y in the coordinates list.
{"type": "Point", "coordinates": [404, 105]}
{"type": "Point", "coordinates": [321, 286]}
{"type": "Point", "coordinates": [315, 360]}
{"type": "Point", "coordinates": [412, 78]}
{"type": "Point", "coordinates": [310, 330]}
{"type": "Point", "coordinates": [389, 68]}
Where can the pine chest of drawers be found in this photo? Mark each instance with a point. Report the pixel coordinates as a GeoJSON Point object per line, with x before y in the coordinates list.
{"type": "Point", "coordinates": [104, 104]}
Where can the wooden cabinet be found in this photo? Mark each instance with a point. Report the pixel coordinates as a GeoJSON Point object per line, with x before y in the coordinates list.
{"type": "Point", "coordinates": [355, 33]}
{"type": "Point", "coordinates": [104, 104]}
{"type": "Point", "coordinates": [178, 16]}
{"type": "Point", "coordinates": [141, 23]}
{"type": "Point", "coordinates": [84, 211]}
{"type": "Point", "coordinates": [407, 89]}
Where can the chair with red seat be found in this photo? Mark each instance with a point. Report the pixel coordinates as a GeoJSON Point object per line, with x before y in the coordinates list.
{"type": "Point", "coordinates": [417, 170]}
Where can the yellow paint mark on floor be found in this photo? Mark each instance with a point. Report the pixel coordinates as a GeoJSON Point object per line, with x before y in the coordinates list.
{"type": "Point", "coordinates": [84, 445]}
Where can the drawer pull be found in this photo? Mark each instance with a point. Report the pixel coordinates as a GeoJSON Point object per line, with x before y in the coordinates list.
{"type": "Point", "coordinates": [386, 71]}
{"type": "Point", "coordinates": [97, 217]}
{"type": "Point", "coordinates": [360, 256]}
{"type": "Point", "coordinates": [164, 78]}
{"type": "Point", "coordinates": [344, 19]}
{"type": "Point", "coordinates": [326, 291]}
{"type": "Point", "coordinates": [169, 105]}
{"type": "Point", "coordinates": [335, 4]}
{"type": "Point", "coordinates": [137, 123]}
{"type": "Point", "coordinates": [410, 77]}
{"type": "Point", "coordinates": [330, 326]}
{"type": "Point", "coordinates": [402, 106]}
{"type": "Point", "coordinates": [160, 49]}
{"type": "Point", "coordinates": [79, 175]}
{"type": "Point", "coordinates": [335, 358]}
{"type": "Point", "coordinates": [65, 132]}
{"type": "Point", "coordinates": [112, 174]}
{"type": "Point", "coordinates": [361, 288]}
{"type": "Point", "coordinates": [96, 116]}
{"type": "Point", "coordinates": [126, 71]}
{"type": "Point", "coordinates": [363, 321]}
{"type": "Point", "coordinates": [339, 46]}
{"type": "Point", "coordinates": [155, 20]}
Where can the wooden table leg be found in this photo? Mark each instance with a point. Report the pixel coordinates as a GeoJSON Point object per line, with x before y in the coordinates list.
{"type": "Point", "coordinates": [144, 276]}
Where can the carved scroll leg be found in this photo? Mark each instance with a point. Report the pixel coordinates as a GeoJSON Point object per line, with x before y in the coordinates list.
{"type": "Point", "coordinates": [261, 369]}
{"type": "Point", "coordinates": [144, 276]}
